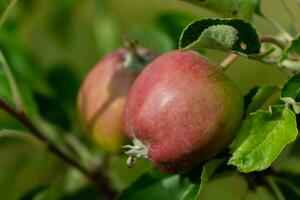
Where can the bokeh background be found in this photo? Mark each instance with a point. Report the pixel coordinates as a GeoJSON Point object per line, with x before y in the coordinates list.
{"type": "Point", "coordinates": [51, 45]}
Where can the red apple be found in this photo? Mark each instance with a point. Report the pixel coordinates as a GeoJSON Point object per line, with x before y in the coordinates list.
{"type": "Point", "coordinates": [102, 95]}
{"type": "Point", "coordinates": [181, 110]}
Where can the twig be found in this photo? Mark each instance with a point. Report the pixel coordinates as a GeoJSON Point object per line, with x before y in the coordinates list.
{"type": "Point", "coordinates": [98, 179]}
{"type": "Point", "coordinates": [228, 60]}
{"type": "Point", "coordinates": [277, 26]}
{"type": "Point", "coordinates": [20, 135]}
{"type": "Point", "coordinates": [289, 11]}
{"type": "Point", "coordinates": [272, 184]}
{"type": "Point", "coordinates": [274, 40]}
{"type": "Point", "coordinates": [7, 11]}
{"type": "Point", "coordinates": [294, 21]}
{"type": "Point", "coordinates": [288, 184]}
{"type": "Point", "coordinates": [12, 83]}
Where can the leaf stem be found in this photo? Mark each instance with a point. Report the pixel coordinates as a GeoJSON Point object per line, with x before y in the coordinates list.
{"type": "Point", "coordinates": [277, 26]}
{"type": "Point", "coordinates": [97, 178]}
{"type": "Point", "coordinates": [7, 11]}
{"type": "Point", "coordinates": [12, 83]}
{"type": "Point", "coordinates": [289, 11]}
{"type": "Point", "coordinates": [288, 184]}
{"type": "Point", "coordinates": [20, 135]}
{"type": "Point", "coordinates": [272, 184]}
{"type": "Point", "coordinates": [228, 61]}
{"type": "Point", "coordinates": [294, 21]}
{"type": "Point", "coordinates": [274, 40]}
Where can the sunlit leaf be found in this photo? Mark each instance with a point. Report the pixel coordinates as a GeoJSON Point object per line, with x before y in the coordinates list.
{"type": "Point", "coordinates": [262, 137]}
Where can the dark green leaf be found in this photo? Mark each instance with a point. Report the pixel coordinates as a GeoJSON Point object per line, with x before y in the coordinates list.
{"type": "Point", "coordinates": [151, 37]}
{"type": "Point", "coordinates": [42, 193]}
{"type": "Point", "coordinates": [63, 84]}
{"type": "Point", "coordinates": [263, 98]}
{"type": "Point", "coordinates": [291, 56]}
{"type": "Point", "coordinates": [52, 111]}
{"type": "Point", "coordinates": [154, 185]}
{"type": "Point", "coordinates": [290, 93]}
{"type": "Point", "coordinates": [243, 9]}
{"type": "Point", "coordinates": [289, 185]}
{"type": "Point", "coordinates": [148, 179]}
{"type": "Point", "coordinates": [249, 96]}
{"type": "Point", "coordinates": [173, 187]}
{"type": "Point", "coordinates": [262, 137]}
{"type": "Point", "coordinates": [173, 22]}
{"type": "Point", "coordinates": [86, 193]}
{"type": "Point", "coordinates": [292, 88]}
{"type": "Point", "coordinates": [30, 195]}
{"type": "Point", "coordinates": [208, 171]}
{"type": "Point", "coordinates": [229, 35]}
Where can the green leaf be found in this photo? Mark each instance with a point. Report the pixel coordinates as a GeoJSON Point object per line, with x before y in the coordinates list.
{"type": "Point", "coordinates": [151, 37]}
{"type": "Point", "coordinates": [263, 98]}
{"type": "Point", "coordinates": [243, 9]}
{"type": "Point", "coordinates": [262, 137]}
{"type": "Point", "coordinates": [208, 171]}
{"type": "Point", "coordinates": [86, 193]}
{"type": "Point", "coordinates": [290, 93]}
{"type": "Point", "coordinates": [226, 187]}
{"type": "Point", "coordinates": [291, 56]}
{"type": "Point", "coordinates": [229, 35]}
{"type": "Point", "coordinates": [173, 187]}
{"type": "Point", "coordinates": [42, 193]}
{"type": "Point", "coordinates": [154, 185]}
{"type": "Point", "coordinates": [148, 179]}
{"type": "Point", "coordinates": [173, 22]}
{"type": "Point", "coordinates": [32, 193]}
{"type": "Point", "coordinates": [292, 88]}
{"type": "Point", "coordinates": [52, 111]}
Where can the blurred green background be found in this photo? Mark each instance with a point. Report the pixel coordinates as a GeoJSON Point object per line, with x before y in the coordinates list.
{"type": "Point", "coordinates": [51, 45]}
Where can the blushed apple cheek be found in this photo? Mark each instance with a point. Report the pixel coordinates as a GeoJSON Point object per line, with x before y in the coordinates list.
{"type": "Point", "coordinates": [176, 108]}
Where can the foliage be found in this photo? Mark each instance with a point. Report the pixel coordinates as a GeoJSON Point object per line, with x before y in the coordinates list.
{"type": "Point", "coordinates": [47, 47]}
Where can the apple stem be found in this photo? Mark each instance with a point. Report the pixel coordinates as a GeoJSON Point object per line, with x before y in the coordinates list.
{"type": "Point", "coordinates": [273, 40]}
{"type": "Point", "coordinates": [134, 60]}
{"type": "Point", "coordinates": [135, 151]}
{"type": "Point", "coordinates": [228, 60]}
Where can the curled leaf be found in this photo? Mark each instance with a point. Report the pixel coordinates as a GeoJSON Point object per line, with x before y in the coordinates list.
{"type": "Point", "coordinates": [229, 35]}
{"type": "Point", "coordinates": [262, 137]}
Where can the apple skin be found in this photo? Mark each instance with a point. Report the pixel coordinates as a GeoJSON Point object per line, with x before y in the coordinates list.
{"type": "Point", "coordinates": [183, 109]}
{"type": "Point", "coordinates": [102, 96]}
